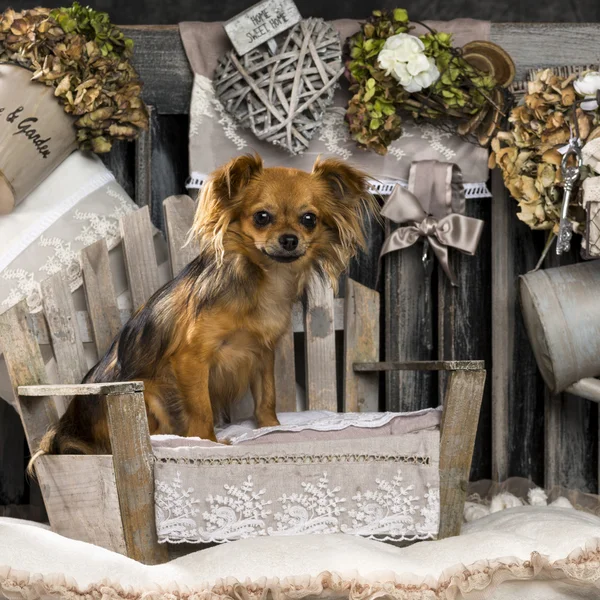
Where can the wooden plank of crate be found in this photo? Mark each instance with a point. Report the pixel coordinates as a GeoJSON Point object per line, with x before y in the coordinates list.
{"type": "Point", "coordinates": [361, 344]}
{"type": "Point", "coordinates": [64, 333]}
{"type": "Point", "coordinates": [100, 295]}
{"type": "Point", "coordinates": [408, 330]}
{"type": "Point", "coordinates": [81, 499]}
{"type": "Point", "coordinates": [321, 384]}
{"type": "Point", "coordinates": [82, 389]}
{"type": "Point", "coordinates": [179, 216]}
{"type": "Point", "coordinates": [26, 367]}
{"type": "Point", "coordinates": [457, 440]}
{"type": "Point", "coordinates": [140, 257]}
{"type": "Point", "coordinates": [464, 322]}
{"type": "Point", "coordinates": [285, 373]}
{"type": "Point", "coordinates": [134, 475]}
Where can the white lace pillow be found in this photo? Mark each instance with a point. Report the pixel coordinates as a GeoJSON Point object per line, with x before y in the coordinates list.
{"type": "Point", "coordinates": [493, 560]}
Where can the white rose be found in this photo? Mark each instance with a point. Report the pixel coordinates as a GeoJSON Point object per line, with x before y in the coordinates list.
{"type": "Point", "coordinates": [403, 57]}
{"type": "Point", "coordinates": [587, 85]}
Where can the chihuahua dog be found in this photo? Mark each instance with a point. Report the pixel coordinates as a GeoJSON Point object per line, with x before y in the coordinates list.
{"type": "Point", "coordinates": [210, 333]}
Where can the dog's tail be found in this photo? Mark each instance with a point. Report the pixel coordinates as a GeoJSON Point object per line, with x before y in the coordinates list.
{"type": "Point", "coordinates": [56, 442]}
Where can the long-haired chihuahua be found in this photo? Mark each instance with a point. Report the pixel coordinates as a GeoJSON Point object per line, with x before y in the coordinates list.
{"type": "Point", "coordinates": [210, 333]}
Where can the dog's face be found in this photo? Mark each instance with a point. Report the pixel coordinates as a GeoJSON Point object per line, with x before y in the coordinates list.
{"type": "Point", "coordinates": [285, 216]}
{"type": "Point", "coordinates": [280, 215]}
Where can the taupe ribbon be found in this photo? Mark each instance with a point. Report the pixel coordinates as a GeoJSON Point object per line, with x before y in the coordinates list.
{"type": "Point", "coordinates": [432, 207]}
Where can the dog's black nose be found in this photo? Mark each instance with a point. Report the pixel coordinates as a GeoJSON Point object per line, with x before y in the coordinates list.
{"type": "Point", "coordinates": [288, 242]}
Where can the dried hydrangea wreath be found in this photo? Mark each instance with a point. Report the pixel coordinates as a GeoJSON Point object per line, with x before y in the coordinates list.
{"type": "Point", "coordinates": [79, 52]}
{"type": "Point", "coordinates": [392, 72]}
{"type": "Point", "coordinates": [529, 154]}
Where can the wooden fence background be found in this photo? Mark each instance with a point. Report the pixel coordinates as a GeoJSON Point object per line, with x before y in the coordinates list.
{"type": "Point", "coordinates": [524, 431]}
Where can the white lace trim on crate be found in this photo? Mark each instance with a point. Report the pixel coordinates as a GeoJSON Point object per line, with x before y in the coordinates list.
{"type": "Point", "coordinates": [384, 509]}
{"type": "Point", "coordinates": [33, 232]}
{"type": "Point", "coordinates": [383, 188]}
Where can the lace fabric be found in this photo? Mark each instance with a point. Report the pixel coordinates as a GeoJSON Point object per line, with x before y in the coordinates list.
{"type": "Point", "coordinates": [385, 488]}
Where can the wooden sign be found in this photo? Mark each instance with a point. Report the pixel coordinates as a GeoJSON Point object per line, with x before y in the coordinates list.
{"type": "Point", "coordinates": [261, 23]}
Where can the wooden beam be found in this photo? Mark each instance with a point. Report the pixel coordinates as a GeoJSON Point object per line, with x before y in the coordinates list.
{"type": "Point", "coordinates": [458, 430]}
{"type": "Point", "coordinates": [422, 365]}
{"type": "Point", "coordinates": [179, 216]}
{"type": "Point", "coordinates": [134, 475]}
{"type": "Point", "coordinates": [82, 389]}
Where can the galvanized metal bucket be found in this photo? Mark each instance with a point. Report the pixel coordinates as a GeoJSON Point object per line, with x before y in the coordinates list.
{"type": "Point", "coordinates": [561, 309]}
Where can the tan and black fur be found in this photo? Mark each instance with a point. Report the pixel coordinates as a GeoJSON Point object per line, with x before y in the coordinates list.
{"type": "Point", "coordinates": [210, 333]}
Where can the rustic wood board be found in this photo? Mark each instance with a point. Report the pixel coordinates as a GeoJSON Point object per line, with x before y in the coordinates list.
{"type": "Point", "coordinates": [134, 476]}
{"type": "Point", "coordinates": [321, 383]}
{"type": "Point", "coordinates": [26, 367]}
{"type": "Point", "coordinates": [361, 344]}
{"type": "Point", "coordinates": [464, 323]}
{"type": "Point", "coordinates": [179, 216]}
{"type": "Point", "coordinates": [80, 493]}
{"type": "Point", "coordinates": [140, 257]}
{"type": "Point", "coordinates": [64, 333]}
{"type": "Point", "coordinates": [409, 331]}
{"type": "Point", "coordinates": [100, 296]}
{"type": "Point", "coordinates": [459, 426]}
{"type": "Point", "coordinates": [285, 373]}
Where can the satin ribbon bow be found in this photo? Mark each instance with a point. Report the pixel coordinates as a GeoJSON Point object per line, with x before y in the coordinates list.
{"type": "Point", "coordinates": [431, 208]}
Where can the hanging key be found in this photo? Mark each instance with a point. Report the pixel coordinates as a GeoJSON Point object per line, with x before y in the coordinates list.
{"type": "Point", "coordinates": [570, 177]}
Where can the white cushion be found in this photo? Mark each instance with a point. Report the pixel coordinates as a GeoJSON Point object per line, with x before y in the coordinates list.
{"type": "Point", "coordinates": [497, 557]}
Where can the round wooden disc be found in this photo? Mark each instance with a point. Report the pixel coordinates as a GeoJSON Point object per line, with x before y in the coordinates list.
{"type": "Point", "coordinates": [490, 58]}
{"type": "Point", "coordinates": [7, 197]}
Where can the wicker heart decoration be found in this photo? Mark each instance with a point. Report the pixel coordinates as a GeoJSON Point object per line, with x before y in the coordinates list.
{"type": "Point", "coordinates": [282, 98]}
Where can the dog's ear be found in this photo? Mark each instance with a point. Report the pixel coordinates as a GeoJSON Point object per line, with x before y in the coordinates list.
{"type": "Point", "coordinates": [216, 208]}
{"type": "Point", "coordinates": [346, 184]}
{"type": "Point", "coordinates": [232, 177]}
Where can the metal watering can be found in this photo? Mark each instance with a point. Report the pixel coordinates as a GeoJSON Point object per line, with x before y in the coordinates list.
{"type": "Point", "coordinates": [561, 309]}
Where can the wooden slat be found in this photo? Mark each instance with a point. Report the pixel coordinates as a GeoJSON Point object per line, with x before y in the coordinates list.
{"type": "Point", "coordinates": [517, 388]}
{"type": "Point", "coordinates": [81, 499]}
{"type": "Point", "coordinates": [527, 43]}
{"type": "Point", "coordinates": [143, 164]}
{"type": "Point", "coordinates": [140, 257]}
{"type": "Point", "coordinates": [82, 389]}
{"type": "Point", "coordinates": [464, 322]}
{"type": "Point", "coordinates": [361, 344]}
{"type": "Point", "coordinates": [179, 216]}
{"type": "Point", "coordinates": [134, 475]}
{"type": "Point", "coordinates": [503, 323]}
{"type": "Point", "coordinates": [321, 384]}
{"type": "Point", "coordinates": [458, 430]}
{"type": "Point", "coordinates": [64, 333]}
{"type": "Point", "coordinates": [160, 60]}
{"type": "Point", "coordinates": [408, 331]}
{"type": "Point", "coordinates": [26, 367]}
{"type": "Point", "coordinates": [100, 295]}
{"type": "Point", "coordinates": [285, 373]}
{"type": "Point", "coordinates": [423, 365]}
{"type": "Point", "coordinates": [40, 327]}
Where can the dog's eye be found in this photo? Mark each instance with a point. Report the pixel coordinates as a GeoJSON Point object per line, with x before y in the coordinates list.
{"type": "Point", "coordinates": [262, 218]}
{"type": "Point", "coordinates": [309, 220]}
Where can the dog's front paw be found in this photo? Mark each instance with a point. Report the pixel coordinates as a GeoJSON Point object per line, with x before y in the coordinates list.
{"type": "Point", "coordinates": [268, 422]}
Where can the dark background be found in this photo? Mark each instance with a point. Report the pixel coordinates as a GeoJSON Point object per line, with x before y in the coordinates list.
{"type": "Point", "coordinates": [138, 12]}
